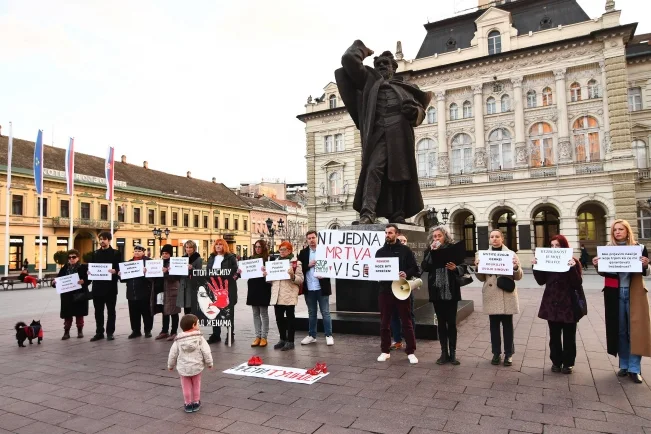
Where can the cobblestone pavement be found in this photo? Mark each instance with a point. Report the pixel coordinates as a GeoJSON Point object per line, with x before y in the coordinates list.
{"type": "Point", "coordinates": [123, 386]}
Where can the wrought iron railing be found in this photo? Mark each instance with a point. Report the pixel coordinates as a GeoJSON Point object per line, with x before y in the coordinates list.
{"type": "Point", "coordinates": [582, 169]}
{"type": "Point", "coordinates": [460, 179]}
{"type": "Point", "coordinates": [500, 176]}
{"type": "Point", "coordinates": [427, 182]}
{"type": "Point", "coordinates": [545, 172]}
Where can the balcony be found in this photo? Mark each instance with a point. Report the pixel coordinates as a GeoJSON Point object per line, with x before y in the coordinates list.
{"type": "Point", "coordinates": [544, 172]}
{"type": "Point", "coordinates": [587, 168]}
{"type": "Point", "coordinates": [427, 182]}
{"type": "Point", "coordinates": [500, 176]}
{"type": "Point", "coordinates": [84, 223]}
{"type": "Point", "coordinates": [460, 179]}
{"type": "Point", "coordinates": [644, 173]}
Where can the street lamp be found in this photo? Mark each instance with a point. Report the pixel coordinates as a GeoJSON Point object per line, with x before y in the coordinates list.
{"type": "Point", "coordinates": [272, 231]}
{"type": "Point", "coordinates": [445, 214]}
{"type": "Point", "coordinates": [158, 233]}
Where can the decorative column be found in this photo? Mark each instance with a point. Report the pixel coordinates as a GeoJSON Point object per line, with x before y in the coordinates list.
{"type": "Point", "coordinates": [604, 97]}
{"type": "Point", "coordinates": [441, 119]}
{"type": "Point", "coordinates": [564, 149]}
{"type": "Point", "coordinates": [518, 109]}
{"type": "Point", "coordinates": [480, 149]}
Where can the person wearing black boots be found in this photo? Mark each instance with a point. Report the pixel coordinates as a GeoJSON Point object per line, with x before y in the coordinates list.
{"type": "Point", "coordinates": [444, 293]}
{"type": "Point", "coordinates": [138, 298]}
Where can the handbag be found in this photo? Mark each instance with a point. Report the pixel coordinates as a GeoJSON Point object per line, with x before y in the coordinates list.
{"type": "Point", "coordinates": [505, 284]}
{"type": "Point", "coordinates": [465, 278]}
{"type": "Point", "coordinates": [579, 305]}
{"type": "Point", "coordinates": [81, 296]}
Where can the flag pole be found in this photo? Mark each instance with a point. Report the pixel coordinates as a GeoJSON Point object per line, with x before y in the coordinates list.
{"type": "Point", "coordinates": [40, 236]}
{"type": "Point", "coordinates": [8, 199]}
{"type": "Point", "coordinates": [70, 173]}
{"type": "Point", "coordinates": [112, 212]}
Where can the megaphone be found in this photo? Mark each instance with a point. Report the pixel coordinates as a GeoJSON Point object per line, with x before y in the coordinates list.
{"type": "Point", "coordinates": [402, 288]}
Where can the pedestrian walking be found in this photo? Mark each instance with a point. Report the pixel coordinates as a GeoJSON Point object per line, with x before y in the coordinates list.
{"type": "Point", "coordinates": [163, 297]}
{"type": "Point", "coordinates": [584, 258]}
{"type": "Point", "coordinates": [105, 292]}
{"type": "Point", "coordinates": [139, 299]}
{"type": "Point", "coordinates": [258, 296]}
{"type": "Point", "coordinates": [184, 299]}
{"type": "Point", "coordinates": [222, 259]}
{"type": "Point", "coordinates": [74, 303]}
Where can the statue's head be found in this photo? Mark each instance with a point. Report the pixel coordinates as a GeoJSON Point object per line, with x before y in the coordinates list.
{"type": "Point", "coordinates": [385, 64]}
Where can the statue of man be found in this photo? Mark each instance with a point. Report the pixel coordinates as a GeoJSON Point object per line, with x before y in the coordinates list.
{"type": "Point", "coordinates": [385, 109]}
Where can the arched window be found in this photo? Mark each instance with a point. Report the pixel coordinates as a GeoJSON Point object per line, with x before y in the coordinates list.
{"type": "Point", "coordinates": [431, 115]}
{"type": "Point", "coordinates": [507, 223]}
{"type": "Point", "coordinates": [644, 224]}
{"type": "Point", "coordinates": [333, 101]}
{"type": "Point", "coordinates": [542, 144]}
{"type": "Point", "coordinates": [585, 133]}
{"type": "Point", "coordinates": [501, 156]}
{"type": "Point", "coordinates": [426, 158]}
{"type": "Point", "coordinates": [575, 92]}
{"type": "Point", "coordinates": [593, 89]}
{"type": "Point", "coordinates": [454, 112]}
{"type": "Point", "coordinates": [546, 225]}
{"type": "Point", "coordinates": [467, 109]}
{"type": "Point", "coordinates": [639, 151]}
{"type": "Point", "coordinates": [547, 96]}
{"type": "Point", "coordinates": [494, 42]}
{"type": "Point", "coordinates": [491, 108]}
{"type": "Point", "coordinates": [334, 183]}
{"type": "Point", "coordinates": [461, 154]}
{"type": "Point", "coordinates": [531, 99]}
{"type": "Point", "coordinates": [506, 103]}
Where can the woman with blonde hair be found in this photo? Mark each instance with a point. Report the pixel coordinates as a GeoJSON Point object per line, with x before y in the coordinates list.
{"type": "Point", "coordinates": [184, 299]}
{"type": "Point", "coordinates": [628, 326]}
{"type": "Point", "coordinates": [221, 258]}
{"type": "Point", "coordinates": [258, 296]}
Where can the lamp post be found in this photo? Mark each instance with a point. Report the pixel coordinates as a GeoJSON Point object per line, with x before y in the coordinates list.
{"type": "Point", "coordinates": [272, 231]}
{"type": "Point", "coordinates": [433, 219]}
{"type": "Point", "coordinates": [158, 233]}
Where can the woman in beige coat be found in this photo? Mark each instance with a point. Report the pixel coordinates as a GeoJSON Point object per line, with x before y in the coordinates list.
{"type": "Point", "coordinates": [284, 297]}
{"type": "Point", "coordinates": [499, 304]}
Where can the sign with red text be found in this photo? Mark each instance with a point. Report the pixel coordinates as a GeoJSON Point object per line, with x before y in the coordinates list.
{"type": "Point", "coordinates": [347, 254]}
{"type": "Point", "coordinates": [495, 262]}
{"type": "Point", "coordinates": [280, 373]}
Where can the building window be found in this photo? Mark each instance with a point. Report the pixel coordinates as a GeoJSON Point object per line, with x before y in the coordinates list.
{"type": "Point", "coordinates": [236, 223]}
{"type": "Point", "coordinates": [205, 222]}
{"type": "Point", "coordinates": [644, 224]}
{"type": "Point", "coordinates": [506, 103]}
{"type": "Point", "coordinates": [38, 207]}
{"type": "Point", "coordinates": [151, 216]}
{"type": "Point", "coordinates": [175, 219]}
{"type": "Point", "coordinates": [328, 144]}
{"type": "Point", "coordinates": [585, 132]}
{"type": "Point", "coordinates": [501, 155]}
{"type": "Point", "coordinates": [16, 204]}
{"type": "Point", "coordinates": [339, 142]}
{"type": "Point", "coordinates": [494, 42]}
{"type": "Point", "coordinates": [575, 92]}
{"type": "Point", "coordinates": [454, 112]}
{"type": "Point", "coordinates": [431, 115]}
{"type": "Point", "coordinates": [215, 221]}
{"type": "Point", "coordinates": [196, 220]}
{"type": "Point", "coordinates": [639, 151]}
{"type": "Point", "coordinates": [461, 154]}
{"type": "Point", "coordinates": [226, 222]}
{"type": "Point", "coordinates": [85, 210]}
{"type": "Point", "coordinates": [542, 144]}
{"type": "Point", "coordinates": [491, 108]}
{"type": "Point", "coordinates": [587, 226]}
{"type": "Point", "coordinates": [334, 183]}
{"type": "Point", "coordinates": [136, 215]}
{"type": "Point", "coordinates": [121, 209]}
{"type": "Point", "coordinates": [163, 218]}
{"type": "Point", "coordinates": [186, 220]}
{"type": "Point", "coordinates": [426, 158]}
{"type": "Point", "coordinates": [531, 99]}
{"type": "Point", "coordinates": [467, 109]}
{"type": "Point", "coordinates": [634, 99]}
{"type": "Point", "coordinates": [333, 101]}
{"type": "Point", "coordinates": [64, 210]}
{"type": "Point", "coordinates": [547, 96]}
{"type": "Point", "coordinates": [593, 89]}
{"type": "Point", "coordinates": [546, 225]}
{"type": "Point", "coordinates": [103, 212]}
{"type": "Point", "coordinates": [246, 225]}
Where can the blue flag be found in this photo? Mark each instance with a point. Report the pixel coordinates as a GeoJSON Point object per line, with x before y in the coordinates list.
{"type": "Point", "coordinates": [38, 163]}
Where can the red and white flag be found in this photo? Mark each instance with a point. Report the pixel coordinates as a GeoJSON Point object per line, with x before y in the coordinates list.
{"type": "Point", "coordinates": [110, 173]}
{"type": "Point", "coordinates": [70, 167]}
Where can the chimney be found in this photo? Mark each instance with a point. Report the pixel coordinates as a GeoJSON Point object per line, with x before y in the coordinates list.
{"type": "Point", "coordinates": [124, 159]}
{"type": "Point", "coordinates": [214, 180]}
{"type": "Point", "coordinates": [145, 165]}
{"type": "Point", "coordinates": [189, 174]}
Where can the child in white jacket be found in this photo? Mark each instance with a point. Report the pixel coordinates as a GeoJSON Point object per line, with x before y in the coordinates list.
{"type": "Point", "coordinates": [190, 353]}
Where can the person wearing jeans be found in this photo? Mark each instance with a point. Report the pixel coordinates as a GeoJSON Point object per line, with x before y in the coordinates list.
{"type": "Point", "coordinates": [258, 296]}
{"type": "Point", "coordinates": [317, 292]}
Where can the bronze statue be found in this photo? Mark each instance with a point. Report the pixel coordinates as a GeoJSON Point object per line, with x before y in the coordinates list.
{"type": "Point", "coordinates": [385, 109]}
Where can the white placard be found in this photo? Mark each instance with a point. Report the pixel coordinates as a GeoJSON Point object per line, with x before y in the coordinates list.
{"type": "Point", "coordinates": [384, 269]}
{"type": "Point", "coordinates": [67, 283]}
{"type": "Point", "coordinates": [251, 268]}
{"type": "Point", "coordinates": [495, 262]}
{"type": "Point", "coordinates": [347, 254]}
{"type": "Point", "coordinates": [277, 270]}
{"type": "Point", "coordinates": [620, 259]}
{"type": "Point", "coordinates": [131, 269]}
{"type": "Point", "coordinates": [179, 266]}
{"type": "Point", "coordinates": [271, 372]}
{"type": "Point", "coordinates": [154, 268]}
{"type": "Point", "coordinates": [99, 271]}
{"type": "Point", "coordinates": [554, 260]}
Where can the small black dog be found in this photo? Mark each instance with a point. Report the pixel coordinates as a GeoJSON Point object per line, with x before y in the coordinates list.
{"type": "Point", "coordinates": [32, 331]}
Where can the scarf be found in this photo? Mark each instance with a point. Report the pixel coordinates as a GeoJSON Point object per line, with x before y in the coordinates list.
{"type": "Point", "coordinates": [290, 257]}
{"type": "Point", "coordinates": [72, 269]}
{"type": "Point", "coordinates": [441, 281]}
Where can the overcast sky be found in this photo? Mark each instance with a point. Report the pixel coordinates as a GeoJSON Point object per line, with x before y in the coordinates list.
{"type": "Point", "coordinates": [213, 87]}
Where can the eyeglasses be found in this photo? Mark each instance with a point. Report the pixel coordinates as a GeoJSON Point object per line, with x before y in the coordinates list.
{"type": "Point", "coordinates": [72, 257]}
{"type": "Point", "coordinates": [258, 247]}
{"type": "Point", "coordinates": [283, 249]}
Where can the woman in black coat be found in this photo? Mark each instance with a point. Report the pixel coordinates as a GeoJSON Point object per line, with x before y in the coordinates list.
{"type": "Point", "coordinates": [222, 258]}
{"type": "Point", "coordinates": [74, 303]}
{"type": "Point", "coordinates": [258, 297]}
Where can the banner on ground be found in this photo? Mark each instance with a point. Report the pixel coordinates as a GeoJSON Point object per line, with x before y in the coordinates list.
{"type": "Point", "coordinates": [495, 262]}
{"type": "Point", "coordinates": [210, 299]}
{"type": "Point", "coordinates": [620, 259]}
{"type": "Point", "coordinates": [271, 372]}
{"type": "Point", "coordinates": [347, 254]}
{"type": "Point", "coordinates": [554, 260]}
{"type": "Point", "coordinates": [67, 283]}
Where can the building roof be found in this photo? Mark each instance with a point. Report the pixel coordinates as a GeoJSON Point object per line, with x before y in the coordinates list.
{"type": "Point", "coordinates": [262, 202]}
{"type": "Point", "coordinates": [135, 176]}
{"type": "Point", "coordinates": [639, 45]}
{"type": "Point", "coordinates": [526, 15]}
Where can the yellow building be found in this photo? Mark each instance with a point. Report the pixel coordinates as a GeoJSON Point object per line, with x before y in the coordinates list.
{"type": "Point", "coordinates": [145, 199]}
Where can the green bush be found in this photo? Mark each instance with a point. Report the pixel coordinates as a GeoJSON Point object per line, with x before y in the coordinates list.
{"type": "Point", "coordinates": [61, 257]}
{"type": "Point", "coordinates": [87, 257]}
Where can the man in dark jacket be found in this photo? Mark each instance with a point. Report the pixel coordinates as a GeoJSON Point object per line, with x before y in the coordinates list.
{"type": "Point", "coordinates": [139, 296]}
{"type": "Point", "coordinates": [387, 301]}
{"type": "Point", "coordinates": [317, 292]}
{"type": "Point", "coordinates": [396, 327]}
{"type": "Point", "coordinates": [105, 292]}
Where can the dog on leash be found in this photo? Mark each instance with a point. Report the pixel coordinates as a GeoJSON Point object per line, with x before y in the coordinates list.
{"type": "Point", "coordinates": [29, 332]}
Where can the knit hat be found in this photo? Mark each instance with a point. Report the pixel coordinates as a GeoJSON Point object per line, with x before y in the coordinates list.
{"type": "Point", "coordinates": [167, 248]}
{"type": "Point", "coordinates": [139, 247]}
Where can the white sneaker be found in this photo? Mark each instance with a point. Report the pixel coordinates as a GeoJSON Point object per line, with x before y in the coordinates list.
{"type": "Point", "coordinates": [330, 340]}
{"type": "Point", "coordinates": [308, 340]}
{"type": "Point", "coordinates": [383, 357]}
{"type": "Point", "coordinates": [412, 359]}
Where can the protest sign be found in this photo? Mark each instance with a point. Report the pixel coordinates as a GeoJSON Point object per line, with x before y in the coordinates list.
{"type": "Point", "coordinates": [99, 271]}
{"type": "Point", "coordinates": [179, 266]}
{"type": "Point", "coordinates": [347, 254]}
{"type": "Point", "coordinates": [251, 268]}
{"type": "Point", "coordinates": [495, 262]}
{"type": "Point", "coordinates": [271, 372]}
{"type": "Point", "coordinates": [277, 270]}
{"type": "Point", "coordinates": [154, 268]}
{"type": "Point", "coordinates": [210, 298]}
{"type": "Point", "coordinates": [67, 283]}
{"type": "Point", "coordinates": [131, 269]}
{"type": "Point", "coordinates": [384, 269]}
{"type": "Point", "coordinates": [554, 260]}
{"type": "Point", "coordinates": [620, 259]}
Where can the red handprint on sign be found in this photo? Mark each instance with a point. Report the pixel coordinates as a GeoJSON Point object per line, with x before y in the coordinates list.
{"type": "Point", "coordinates": [219, 289]}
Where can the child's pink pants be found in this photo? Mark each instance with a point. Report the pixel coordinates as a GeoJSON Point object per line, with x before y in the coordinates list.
{"type": "Point", "coordinates": [191, 388]}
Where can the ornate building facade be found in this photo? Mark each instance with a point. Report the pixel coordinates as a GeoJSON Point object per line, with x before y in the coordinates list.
{"type": "Point", "coordinates": [540, 124]}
